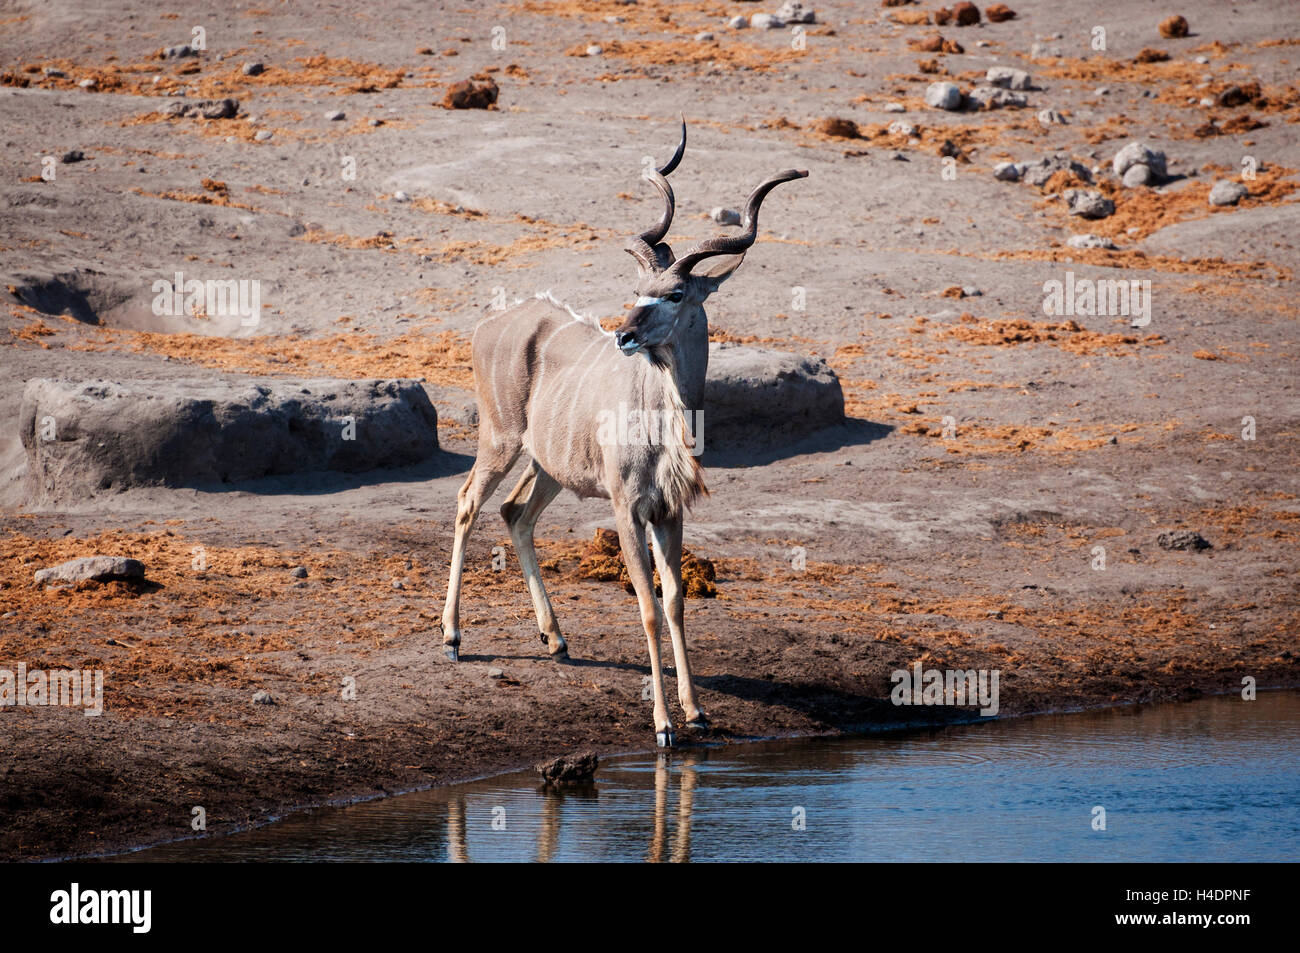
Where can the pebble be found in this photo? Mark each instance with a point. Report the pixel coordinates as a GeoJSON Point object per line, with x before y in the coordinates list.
{"type": "Point", "coordinates": [72, 155]}
{"type": "Point", "coordinates": [496, 673]}
{"type": "Point", "coordinates": [253, 69]}
{"type": "Point", "coordinates": [792, 11]}
{"type": "Point", "coordinates": [175, 52]}
{"type": "Point", "coordinates": [725, 216]}
{"type": "Point", "coordinates": [398, 584]}
{"type": "Point", "coordinates": [900, 128]}
{"type": "Point", "coordinates": [400, 196]}
{"type": "Point", "coordinates": [1050, 117]}
{"type": "Point", "coordinates": [335, 115]}
{"type": "Point", "coordinates": [298, 572]}
{"type": "Point", "coordinates": [993, 97]}
{"type": "Point", "coordinates": [263, 698]}
{"type": "Point", "coordinates": [766, 21]}
{"type": "Point", "coordinates": [738, 23]}
{"type": "Point", "coordinates": [895, 108]}
{"type": "Point", "coordinates": [262, 135]}
{"type": "Point", "coordinates": [704, 37]}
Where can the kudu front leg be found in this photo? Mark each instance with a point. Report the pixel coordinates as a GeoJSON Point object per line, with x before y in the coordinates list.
{"type": "Point", "coordinates": [668, 556]}
{"type": "Point", "coordinates": [631, 537]}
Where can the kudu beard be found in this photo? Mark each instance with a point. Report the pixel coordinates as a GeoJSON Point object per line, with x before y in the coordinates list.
{"type": "Point", "coordinates": [629, 426]}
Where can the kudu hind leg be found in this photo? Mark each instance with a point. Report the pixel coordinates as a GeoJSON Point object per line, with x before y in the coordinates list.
{"type": "Point", "coordinates": [668, 557]}
{"type": "Point", "coordinates": [521, 510]}
{"type": "Point", "coordinates": [488, 471]}
{"type": "Point", "coordinates": [631, 537]}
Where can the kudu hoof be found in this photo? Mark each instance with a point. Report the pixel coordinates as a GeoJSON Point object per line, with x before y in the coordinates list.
{"type": "Point", "coordinates": [701, 723]}
{"type": "Point", "coordinates": [453, 652]}
{"type": "Point", "coordinates": [561, 656]}
{"type": "Point", "coordinates": [665, 739]}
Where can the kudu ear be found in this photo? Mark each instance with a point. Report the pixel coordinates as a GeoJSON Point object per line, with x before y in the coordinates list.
{"type": "Point", "coordinates": [715, 271]}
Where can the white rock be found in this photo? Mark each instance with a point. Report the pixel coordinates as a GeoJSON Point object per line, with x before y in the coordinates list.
{"type": "Point", "coordinates": [725, 216]}
{"type": "Point", "coordinates": [1138, 175]}
{"type": "Point", "coordinates": [738, 23]}
{"type": "Point", "coordinates": [1227, 192]}
{"type": "Point", "coordinates": [792, 11]}
{"type": "Point", "coordinates": [901, 128]}
{"type": "Point", "coordinates": [766, 21]}
{"type": "Point", "coordinates": [595, 49]}
{"type": "Point", "coordinates": [1008, 77]}
{"type": "Point", "coordinates": [895, 108]}
{"type": "Point", "coordinates": [943, 96]}
{"type": "Point", "coordinates": [1050, 117]}
{"type": "Point", "coordinates": [703, 37]}
{"type": "Point", "coordinates": [1136, 153]}
{"type": "Point", "coordinates": [1008, 171]}
{"type": "Point", "coordinates": [335, 115]}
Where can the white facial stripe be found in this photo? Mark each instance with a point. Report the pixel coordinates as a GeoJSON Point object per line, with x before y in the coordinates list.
{"type": "Point", "coordinates": [644, 302]}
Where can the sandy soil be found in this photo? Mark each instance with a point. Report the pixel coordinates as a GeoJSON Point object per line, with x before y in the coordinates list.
{"type": "Point", "coordinates": [972, 551]}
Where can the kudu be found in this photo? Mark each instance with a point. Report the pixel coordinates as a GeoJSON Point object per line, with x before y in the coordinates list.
{"type": "Point", "coordinates": [552, 383]}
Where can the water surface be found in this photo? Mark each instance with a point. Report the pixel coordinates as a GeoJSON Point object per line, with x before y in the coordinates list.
{"type": "Point", "coordinates": [1211, 780]}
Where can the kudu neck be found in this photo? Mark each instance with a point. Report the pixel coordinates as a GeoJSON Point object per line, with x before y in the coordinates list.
{"type": "Point", "coordinates": [690, 356]}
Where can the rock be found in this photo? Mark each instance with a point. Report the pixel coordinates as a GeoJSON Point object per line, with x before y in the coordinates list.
{"type": "Point", "coordinates": [738, 23]}
{"type": "Point", "coordinates": [336, 115]}
{"type": "Point", "coordinates": [1138, 175]}
{"type": "Point", "coordinates": [1008, 77]}
{"type": "Point", "coordinates": [88, 84]}
{"type": "Point", "coordinates": [298, 572]}
{"type": "Point", "coordinates": [595, 49]}
{"type": "Point", "coordinates": [965, 14]}
{"type": "Point", "coordinates": [203, 432]}
{"type": "Point", "coordinates": [398, 584]}
{"type": "Point", "coordinates": [725, 216]}
{"type": "Point", "coordinates": [471, 94]}
{"type": "Point", "coordinates": [1089, 203]}
{"type": "Point", "coordinates": [99, 568]}
{"type": "Point", "coordinates": [496, 673]}
{"type": "Point", "coordinates": [1235, 96]}
{"type": "Point", "coordinates": [943, 96]}
{"type": "Point", "coordinates": [263, 698]}
{"type": "Point", "coordinates": [753, 392]}
{"type": "Point", "coordinates": [1173, 27]}
{"type": "Point", "coordinates": [1227, 192]}
{"type": "Point", "coordinates": [569, 770]}
{"type": "Point", "coordinates": [207, 108]}
{"type": "Point", "coordinates": [1050, 117]}
{"type": "Point", "coordinates": [1008, 171]}
{"type": "Point", "coordinates": [1037, 173]}
{"type": "Point", "coordinates": [901, 128]}
{"type": "Point", "coordinates": [72, 155]}
{"type": "Point", "coordinates": [1136, 153]}
{"type": "Point", "coordinates": [999, 13]}
{"type": "Point", "coordinates": [178, 52]}
{"type": "Point", "coordinates": [895, 108]}
{"type": "Point", "coordinates": [950, 149]}
{"type": "Point", "coordinates": [54, 72]}
{"type": "Point", "coordinates": [991, 97]}
{"type": "Point", "coordinates": [374, 122]}
{"type": "Point", "coordinates": [1183, 539]}
{"type": "Point", "coordinates": [253, 69]}
{"type": "Point", "coordinates": [1040, 52]}
{"type": "Point", "coordinates": [766, 21]}
{"type": "Point", "coordinates": [792, 11]}
{"type": "Point", "coordinates": [1090, 241]}
{"type": "Point", "coordinates": [704, 37]}
{"type": "Point", "coordinates": [400, 196]}
{"type": "Point", "coordinates": [262, 135]}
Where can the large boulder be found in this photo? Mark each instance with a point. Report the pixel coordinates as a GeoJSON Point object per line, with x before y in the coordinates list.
{"type": "Point", "coordinates": [760, 393]}
{"type": "Point", "coordinates": [85, 437]}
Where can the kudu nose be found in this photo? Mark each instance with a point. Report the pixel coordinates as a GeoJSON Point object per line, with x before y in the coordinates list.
{"type": "Point", "coordinates": [625, 339]}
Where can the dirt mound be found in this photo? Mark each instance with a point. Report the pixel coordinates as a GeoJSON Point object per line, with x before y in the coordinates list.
{"type": "Point", "coordinates": [602, 560]}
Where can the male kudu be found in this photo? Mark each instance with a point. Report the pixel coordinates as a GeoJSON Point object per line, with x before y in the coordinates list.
{"type": "Point", "coordinates": [551, 383]}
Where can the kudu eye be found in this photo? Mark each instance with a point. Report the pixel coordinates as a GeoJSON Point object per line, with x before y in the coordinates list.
{"type": "Point", "coordinates": [674, 296]}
